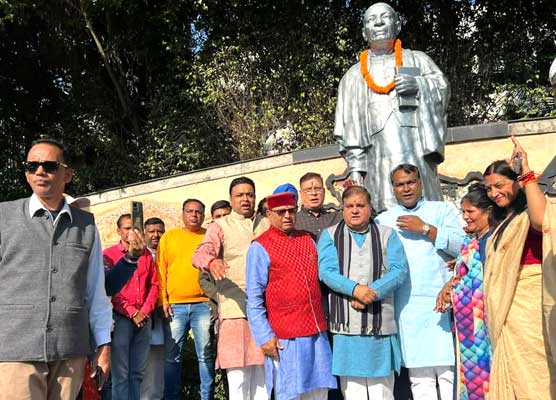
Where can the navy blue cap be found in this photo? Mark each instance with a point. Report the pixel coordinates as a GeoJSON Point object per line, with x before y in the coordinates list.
{"type": "Point", "coordinates": [287, 187]}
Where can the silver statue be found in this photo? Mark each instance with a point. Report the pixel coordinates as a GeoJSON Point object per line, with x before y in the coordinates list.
{"type": "Point", "coordinates": [376, 132]}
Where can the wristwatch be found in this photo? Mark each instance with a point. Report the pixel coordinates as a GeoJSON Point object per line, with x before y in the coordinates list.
{"type": "Point", "coordinates": [426, 229]}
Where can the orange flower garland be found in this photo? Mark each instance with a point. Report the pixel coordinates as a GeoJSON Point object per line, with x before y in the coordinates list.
{"type": "Point", "coordinates": [363, 58]}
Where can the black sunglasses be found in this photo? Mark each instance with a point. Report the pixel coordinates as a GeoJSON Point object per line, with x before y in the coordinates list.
{"type": "Point", "coordinates": [48, 166]}
{"type": "Point", "coordinates": [281, 213]}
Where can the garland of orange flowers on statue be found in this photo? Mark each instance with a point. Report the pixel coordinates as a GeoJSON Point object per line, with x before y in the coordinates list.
{"type": "Point", "coordinates": [364, 59]}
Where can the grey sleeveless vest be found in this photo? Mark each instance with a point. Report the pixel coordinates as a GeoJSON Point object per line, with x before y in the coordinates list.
{"type": "Point", "coordinates": [43, 282]}
{"type": "Point", "coordinates": [360, 271]}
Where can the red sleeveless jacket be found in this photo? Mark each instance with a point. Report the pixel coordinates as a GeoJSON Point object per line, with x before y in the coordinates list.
{"type": "Point", "coordinates": [293, 297]}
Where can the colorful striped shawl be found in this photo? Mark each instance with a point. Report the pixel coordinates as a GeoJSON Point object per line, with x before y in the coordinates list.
{"type": "Point", "coordinates": [473, 341]}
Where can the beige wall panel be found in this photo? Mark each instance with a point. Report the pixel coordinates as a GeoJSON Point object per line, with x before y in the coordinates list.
{"type": "Point", "coordinates": [163, 198]}
{"type": "Point", "coordinates": [462, 158]}
{"type": "Point", "coordinates": [166, 203]}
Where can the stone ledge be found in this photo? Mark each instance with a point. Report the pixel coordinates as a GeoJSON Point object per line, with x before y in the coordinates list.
{"type": "Point", "coordinates": [456, 135]}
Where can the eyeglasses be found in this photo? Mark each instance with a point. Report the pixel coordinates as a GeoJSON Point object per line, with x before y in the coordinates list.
{"type": "Point", "coordinates": [317, 190]}
{"type": "Point", "coordinates": [281, 213]}
{"type": "Point", "coordinates": [48, 166]}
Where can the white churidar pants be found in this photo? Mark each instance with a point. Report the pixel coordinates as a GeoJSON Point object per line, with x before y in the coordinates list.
{"type": "Point", "coordinates": [423, 382]}
{"type": "Point", "coordinates": [354, 388]}
{"type": "Point", "coordinates": [246, 383]}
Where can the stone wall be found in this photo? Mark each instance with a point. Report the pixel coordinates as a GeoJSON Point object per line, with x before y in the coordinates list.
{"type": "Point", "coordinates": [470, 149]}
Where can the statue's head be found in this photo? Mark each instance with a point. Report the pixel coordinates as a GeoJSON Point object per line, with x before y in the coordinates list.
{"type": "Point", "coordinates": [381, 22]}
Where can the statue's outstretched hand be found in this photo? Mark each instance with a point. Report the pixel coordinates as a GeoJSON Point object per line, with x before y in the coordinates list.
{"type": "Point", "coordinates": [356, 178]}
{"type": "Point", "coordinates": [406, 85]}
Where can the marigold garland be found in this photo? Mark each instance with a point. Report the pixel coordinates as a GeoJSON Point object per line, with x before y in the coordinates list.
{"type": "Point", "coordinates": [363, 58]}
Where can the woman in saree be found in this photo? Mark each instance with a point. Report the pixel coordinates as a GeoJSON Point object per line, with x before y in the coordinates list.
{"type": "Point", "coordinates": [466, 293]}
{"type": "Point", "coordinates": [520, 283]}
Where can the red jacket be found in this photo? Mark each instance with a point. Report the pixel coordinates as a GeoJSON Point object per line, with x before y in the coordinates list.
{"type": "Point", "coordinates": [140, 293]}
{"type": "Point", "coordinates": [293, 297]}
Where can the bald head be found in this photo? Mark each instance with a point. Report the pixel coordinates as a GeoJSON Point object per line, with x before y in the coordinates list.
{"type": "Point", "coordinates": [381, 23]}
{"type": "Point", "coordinates": [382, 7]}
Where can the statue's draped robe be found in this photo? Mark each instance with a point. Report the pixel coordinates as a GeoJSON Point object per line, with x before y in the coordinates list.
{"type": "Point", "coordinates": [375, 137]}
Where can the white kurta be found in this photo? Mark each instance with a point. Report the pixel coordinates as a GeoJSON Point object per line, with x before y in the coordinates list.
{"type": "Point", "coordinates": [426, 337]}
{"type": "Point", "coordinates": [375, 136]}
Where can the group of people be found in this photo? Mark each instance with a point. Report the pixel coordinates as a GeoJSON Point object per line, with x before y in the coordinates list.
{"type": "Point", "coordinates": [296, 302]}
{"type": "Point", "coordinates": [503, 291]}
{"type": "Point", "coordinates": [305, 300]}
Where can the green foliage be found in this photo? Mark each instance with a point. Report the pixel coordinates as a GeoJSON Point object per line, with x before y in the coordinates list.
{"type": "Point", "coordinates": [142, 89]}
{"type": "Point", "coordinates": [518, 101]}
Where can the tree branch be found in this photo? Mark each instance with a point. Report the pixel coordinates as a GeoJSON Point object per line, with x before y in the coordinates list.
{"type": "Point", "coordinates": [122, 96]}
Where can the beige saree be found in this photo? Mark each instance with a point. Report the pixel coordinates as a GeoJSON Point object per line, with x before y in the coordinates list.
{"type": "Point", "coordinates": [521, 313]}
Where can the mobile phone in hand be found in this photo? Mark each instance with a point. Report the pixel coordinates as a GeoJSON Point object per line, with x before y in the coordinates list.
{"type": "Point", "coordinates": [98, 378]}
{"type": "Point", "coordinates": [517, 164]}
{"type": "Point", "coordinates": [137, 215]}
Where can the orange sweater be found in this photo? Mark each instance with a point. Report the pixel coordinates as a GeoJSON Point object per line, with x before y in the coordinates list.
{"type": "Point", "coordinates": [178, 278]}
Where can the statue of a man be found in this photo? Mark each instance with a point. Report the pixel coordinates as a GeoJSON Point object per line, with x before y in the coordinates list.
{"type": "Point", "coordinates": [391, 109]}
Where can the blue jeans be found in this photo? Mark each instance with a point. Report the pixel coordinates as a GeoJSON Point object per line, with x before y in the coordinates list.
{"type": "Point", "coordinates": [130, 350]}
{"type": "Point", "coordinates": [195, 316]}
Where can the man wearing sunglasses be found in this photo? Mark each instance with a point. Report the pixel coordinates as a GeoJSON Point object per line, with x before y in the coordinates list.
{"type": "Point", "coordinates": [284, 307]}
{"type": "Point", "coordinates": [51, 285]}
